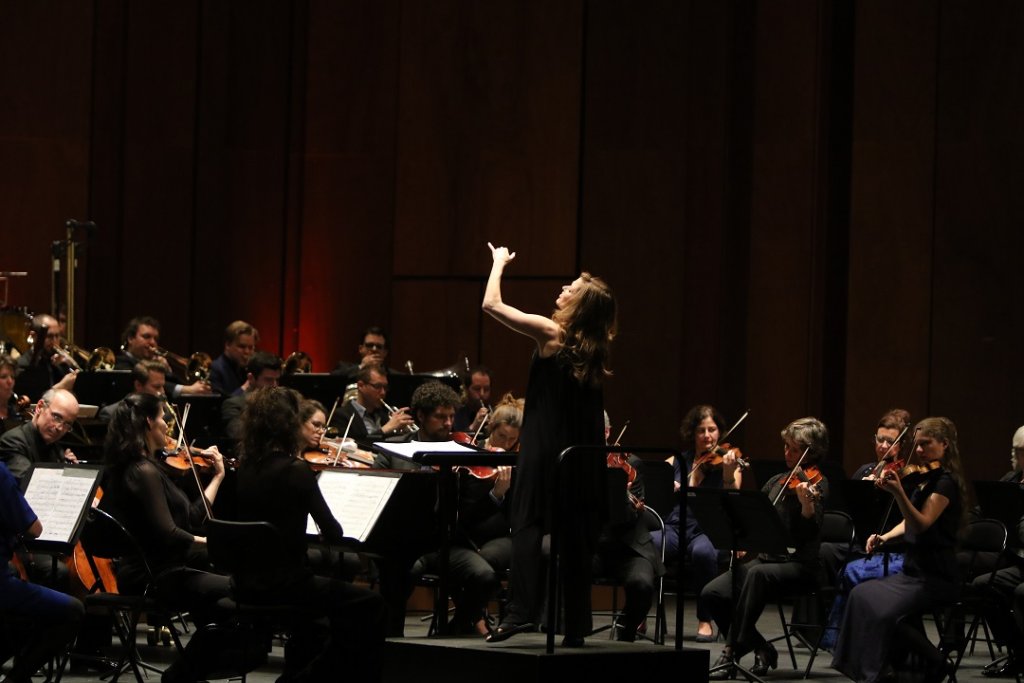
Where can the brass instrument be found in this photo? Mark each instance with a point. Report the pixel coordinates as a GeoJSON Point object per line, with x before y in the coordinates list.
{"type": "Point", "coordinates": [102, 358]}
{"type": "Point", "coordinates": [68, 358]}
{"type": "Point", "coordinates": [195, 368]}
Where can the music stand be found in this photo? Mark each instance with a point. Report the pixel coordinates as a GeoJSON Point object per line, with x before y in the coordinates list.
{"type": "Point", "coordinates": [871, 508]}
{"type": "Point", "coordinates": [739, 520]}
{"type": "Point", "coordinates": [319, 386]}
{"type": "Point", "coordinates": [103, 387]}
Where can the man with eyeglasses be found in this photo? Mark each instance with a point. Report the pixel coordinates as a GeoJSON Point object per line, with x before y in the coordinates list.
{"type": "Point", "coordinates": [38, 440]}
{"type": "Point", "coordinates": [42, 368]}
{"type": "Point", "coordinates": [373, 350]}
{"type": "Point", "coordinates": [370, 419]}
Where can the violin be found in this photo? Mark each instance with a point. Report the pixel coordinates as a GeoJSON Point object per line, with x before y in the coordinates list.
{"type": "Point", "coordinates": [810, 475]}
{"type": "Point", "coordinates": [712, 459]}
{"type": "Point", "coordinates": [337, 453]}
{"type": "Point", "coordinates": [173, 458]}
{"type": "Point", "coordinates": [912, 476]}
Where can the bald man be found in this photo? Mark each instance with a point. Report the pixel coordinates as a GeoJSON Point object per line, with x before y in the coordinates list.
{"type": "Point", "coordinates": [37, 441]}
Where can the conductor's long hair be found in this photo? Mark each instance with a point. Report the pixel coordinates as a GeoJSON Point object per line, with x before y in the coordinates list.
{"type": "Point", "coordinates": [588, 326]}
{"type": "Point", "coordinates": [125, 442]}
{"type": "Point", "coordinates": [270, 423]}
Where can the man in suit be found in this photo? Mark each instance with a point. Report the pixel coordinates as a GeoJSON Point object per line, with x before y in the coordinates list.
{"type": "Point", "coordinates": [37, 441]}
{"type": "Point", "coordinates": [141, 342]}
{"type": "Point", "coordinates": [228, 370]}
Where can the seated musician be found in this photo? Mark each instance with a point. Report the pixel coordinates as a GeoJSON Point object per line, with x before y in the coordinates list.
{"type": "Point", "coordinates": [42, 367]}
{"type": "Point", "coordinates": [373, 350]}
{"type": "Point", "coordinates": [38, 440]}
{"type": "Point", "coordinates": [470, 415]}
{"type": "Point", "coordinates": [701, 428]}
{"type": "Point", "coordinates": [626, 551]}
{"type": "Point", "coordinates": [276, 487]}
{"type": "Point", "coordinates": [366, 419]}
{"type": "Point", "coordinates": [10, 411]}
{"type": "Point", "coordinates": [261, 372]}
{"type": "Point", "coordinates": [228, 370]}
{"type": "Point", "coordinates": [1007, 619]}
{"type": "Point", "coordinates": [141, 339]}
{"type": "Point", "coordinates": [140, 494]}
{"type": "Point", "coordinates": [482, 547]}
{"type": "Point", "coordinates": [36, 623]}
{"type": "Point", "coordinates": [433, 405]}
{"type": "Point", "coordinates": [147, 378]}
{"type": "Point", "coordinates": [801, 509]}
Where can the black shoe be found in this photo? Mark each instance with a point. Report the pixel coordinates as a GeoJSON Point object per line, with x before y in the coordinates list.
{"type": "Point", "coordinates": [936, 672]}
{"type": "Point", "coordinates": [724, 668]}
{"type": "Point", "coordinates": [572, 641]}
{"type": "Point", "coordinates": [765, 657]}
{"type": "Point", "coordinates": [1003, 668]}
{"type": "Point", "coordinates": [506, 631]}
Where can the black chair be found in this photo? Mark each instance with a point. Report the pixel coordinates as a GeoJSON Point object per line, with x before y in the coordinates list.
{"type": "Point", "coordinates": [837, 527]}
{"type": "Point", "coordinates": [105, 537]}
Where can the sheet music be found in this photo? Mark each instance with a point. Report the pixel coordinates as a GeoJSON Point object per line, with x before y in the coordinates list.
{"type": "Point", "coordinates": [356, 500]}
{"type": "Point", "coordinates": [408, 448]}
{"type": "Point", "coordinates": [58, 496]}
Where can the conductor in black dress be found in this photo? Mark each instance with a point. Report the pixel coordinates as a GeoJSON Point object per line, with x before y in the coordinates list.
{"type": "Point", "coordinates": [564, 407]}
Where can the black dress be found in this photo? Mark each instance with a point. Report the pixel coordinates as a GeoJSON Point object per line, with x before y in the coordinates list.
{"type": "Point", "coordinates": [875, 607]}
{"type": "Point", "coordinates": [559, 412]}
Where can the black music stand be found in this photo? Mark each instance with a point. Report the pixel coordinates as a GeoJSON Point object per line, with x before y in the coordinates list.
{"type": "Point", "coordinates": [103, 387]}
{"type": "Point", "coordinates": [872, 509]}
{"type": "Point", "coordinates": [739, 520]}
{"type": "Point", "coordinates": [319, 386]}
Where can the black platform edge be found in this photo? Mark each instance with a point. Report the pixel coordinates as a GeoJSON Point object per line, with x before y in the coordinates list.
{"type": "Point", "coordinates": [523, 658]}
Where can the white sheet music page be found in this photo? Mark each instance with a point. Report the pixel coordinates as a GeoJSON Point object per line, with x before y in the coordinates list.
{"type": "Point", "coordinates": [356, 500]}
{"type": "Point", "coordinates": [58, 496]}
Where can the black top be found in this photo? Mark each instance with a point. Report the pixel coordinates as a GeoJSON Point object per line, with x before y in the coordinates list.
{"type": "Point", "coordinates": [481, 518]}
{"type": "Point", "coordinates": [13, 418]}
{"type": "Point", "coordinates": [933, 553]}
{"type": "Point", "coordinates": [804, 532]}
{"type": "Point", "coordinates": [23, 446]}
{"type": "Point", "coordinates": [283, 490]}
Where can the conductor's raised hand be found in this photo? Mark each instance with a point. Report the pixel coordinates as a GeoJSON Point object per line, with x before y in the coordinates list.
{"type": "Point", "coordinates": [501, 254]}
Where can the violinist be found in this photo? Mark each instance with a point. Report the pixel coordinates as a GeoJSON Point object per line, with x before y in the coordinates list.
{"type": "Point", "coordinates": [228, 370]}
{"type": "Point", "coordinates": [888, 453]}
{"type": "Point", "coordinates": [38, 440]}
{"type": "Point", "coordinates": [168, 526]}
{"type": "Point", "coordinates": [881, 623]}
{"type": "Point", "coordinates": [701, 428]}
{"type": "Point", "coordinates": [482, 547]}
{"type": "Point", "coordinates": [276, 487]}
{"type": "Point", "coordinates": [506, 422]}
{"type": "Point", "coordinates": [10, 411]}
{"type": "Point", "coordinates": [47, 619]}
{"type": "Point", "coordinates": [798, 494]}
{"type": "Point", "coordinates": [470, 416]}
{"type": "Point", "coordinates": [626, 551]}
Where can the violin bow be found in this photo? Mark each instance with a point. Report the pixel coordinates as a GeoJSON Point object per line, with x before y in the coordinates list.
{"type": "Point", "coordinates": [478, 429]}
{"type": "Point", "coordinates": [337, 452]}
{"type": "Point", "coordinates": [330, 418]}
{"type": "Point", "coordinates": [888, 451]}
{"type": "Point", "coordinates": [789, 478]}
{"type": "Point", "coordinates": [730, 430]}
{"type": "Point", "coordinates": [892, 501]}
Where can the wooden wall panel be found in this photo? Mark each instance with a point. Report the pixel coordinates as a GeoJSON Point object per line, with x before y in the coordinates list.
{"type": "Point", "coordinates": [436, 324]}
{"type": "Point", "coordinates": [892, 216]}
{"type": "Point", "coordinates": [977, 293]}
{"type": "Point", "coordinates": [347, 177]}
{"type": "Point", "coordinates": [783, 357]}
{"type": "Point", "coordinates": [488, 135]}
{"type": "Point", "coordinates": [44, 137]}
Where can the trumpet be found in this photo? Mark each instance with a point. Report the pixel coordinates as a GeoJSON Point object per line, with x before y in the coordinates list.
{"type": "Point", "coordinates": [195, 368]}
{"type": "Point", "coordinates": [68, 358]}
{"type": "Point", "coordinates": [412, 428]}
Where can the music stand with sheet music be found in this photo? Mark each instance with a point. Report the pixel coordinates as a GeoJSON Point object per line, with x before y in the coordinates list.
{"type": "Point", "coordinates": [61, 497]}
{"type": "Point", "coordinates": [739, 520]}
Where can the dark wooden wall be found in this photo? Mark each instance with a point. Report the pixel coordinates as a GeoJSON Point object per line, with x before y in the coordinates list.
{"type": "Point", "coordinates": [804, 208]}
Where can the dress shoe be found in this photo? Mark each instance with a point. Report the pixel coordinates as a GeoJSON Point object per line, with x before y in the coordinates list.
{"type": "Point", "coordinates": [506, 631]}
{"type": "Point", "coordinates": [1003, 668]}
{"type": "Point", "coordinates": [572, 641]}
{"type": "Point", "coordinates": [724, 668]}
{"type": "Point", "coordinates": [765, 657]}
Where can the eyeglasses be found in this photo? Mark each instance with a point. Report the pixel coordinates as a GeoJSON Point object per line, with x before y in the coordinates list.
{"type": "Point", "coordinates": [374, 346]}
{"type": "Point", "coordinates": [884, 439]}
{"type": "Point", "coordinates": [59, 420]}
{"type": "Point", "coordinates": [379, 386]}
{"type": "Point", "coordinates": [318, 426]}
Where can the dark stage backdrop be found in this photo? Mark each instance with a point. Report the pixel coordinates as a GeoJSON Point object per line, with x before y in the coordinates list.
{"type": "Point", "coordinates": [805, 208]}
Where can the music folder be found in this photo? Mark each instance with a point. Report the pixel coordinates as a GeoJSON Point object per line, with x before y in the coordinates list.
{"type": "Point", "coordinates": [356, 498]}
{"type": "Point", "coordinates": [61, 497]}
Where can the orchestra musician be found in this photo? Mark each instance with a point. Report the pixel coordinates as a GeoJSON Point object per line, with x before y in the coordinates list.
{"type": "Point", "coordinates": [482, 547]}
{"type": "Point", "coordinates": [881, 623]}
{"type": "Point", "coordinates": [276, 487]}
{"type": "Point", "coordinates": [43, 367]}
{"type": "Point", "coordinates": [373, 350]}
{"type": "Point", "coordinates": [506, 423]}
{"type": "Point", "coordinates": [470, 415]}
{"type": "Point", "coordinates": [263, 371]}
{"type": "Point", "coordinates": [147, 378]}
{"type": "Point", "coordinates": [564, 406]}
{"type": "Point", "coordinates": [626, 551]}
{"type": "Point", "coordinates": [167, 525]}
{"type": "Point", "coordinates": [228, 370]}
{"type": "Point", "coordinates": [10, 411]}
{"type": "Point", "coordinates": [366, 418]}
{"type": "Point", "coordinates": [141, 340]}
{"type": "Point", "coordinates": [701, 428]}
{"type": "Point", "coordinates": [38, 440]}
{"type": "Point", "coordinates": [800, 507]}
{"type": "Point", "coordinates": [36, 623]}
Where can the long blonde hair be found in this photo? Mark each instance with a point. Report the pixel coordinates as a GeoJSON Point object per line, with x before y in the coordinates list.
{"type": "Point", "coordinates": [588, 326]}
{"type": "Point", "coordinates": [943, 429]}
